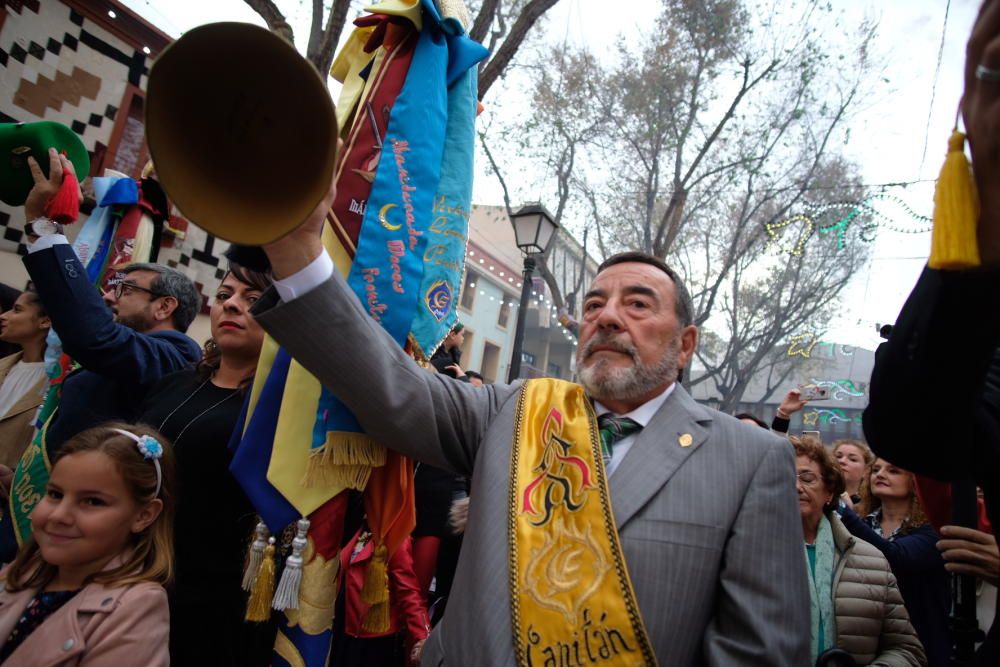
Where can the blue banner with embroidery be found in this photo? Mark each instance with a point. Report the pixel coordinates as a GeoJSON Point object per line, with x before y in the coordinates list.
{"type": "Point", "coordinates": [444, 256]}
{"type": "Point", "coordinates": [388, 266]}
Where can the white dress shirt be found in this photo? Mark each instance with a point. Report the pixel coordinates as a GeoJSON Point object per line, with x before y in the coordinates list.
{"type": "Point", "coordinates": [304, 280]}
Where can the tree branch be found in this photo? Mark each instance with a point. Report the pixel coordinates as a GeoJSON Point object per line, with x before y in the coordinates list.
{"type": "Point", "coordinates": [273, 17]}
{"type": "Point", "coordinates": [498, 63]}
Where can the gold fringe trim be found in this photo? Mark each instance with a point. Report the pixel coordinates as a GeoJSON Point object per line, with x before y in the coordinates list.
{"type": "Point", "coordinates": [345, 461]}
{"type": "Point", "coordinates": [259, 604]}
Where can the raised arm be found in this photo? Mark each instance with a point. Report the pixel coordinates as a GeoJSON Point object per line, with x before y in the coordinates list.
{"type": "Point", "coordinates": [426, 416]}
{"type": "Point", "coordinates": [87, 328]}
{"type": "Point", "coordinates": [907, 554]}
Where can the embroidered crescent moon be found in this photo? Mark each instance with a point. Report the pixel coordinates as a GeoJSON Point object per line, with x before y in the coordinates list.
{"type": "Point", "coordinates": [385, 223]}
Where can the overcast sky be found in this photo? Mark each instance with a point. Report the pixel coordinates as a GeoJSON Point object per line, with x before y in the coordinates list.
{"type": "Point", "coordinates": [888, 132]}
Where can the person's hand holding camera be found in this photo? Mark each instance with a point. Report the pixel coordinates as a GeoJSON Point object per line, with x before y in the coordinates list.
{"type": "Point", "coordinates": [791, 403]}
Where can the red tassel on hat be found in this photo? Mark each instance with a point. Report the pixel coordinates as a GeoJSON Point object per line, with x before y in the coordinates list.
{"type": "Point", "coordinates": [64, 208]}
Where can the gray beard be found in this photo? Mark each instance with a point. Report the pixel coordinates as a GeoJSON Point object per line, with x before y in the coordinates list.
{"type": "Point", "coordinates": [604, 383]}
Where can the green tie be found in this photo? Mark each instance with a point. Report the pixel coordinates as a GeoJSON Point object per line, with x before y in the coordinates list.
{"type": "Point", "coordinates": [613, 429]}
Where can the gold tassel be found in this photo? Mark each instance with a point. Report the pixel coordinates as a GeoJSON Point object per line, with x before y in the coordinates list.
{"type": "Point", "coordinates": [956, 211]}
{"type": "Point", "coordinates": [377, 618]}
{"type": "Point", "coordinates": [375, 591]}
{"type": "Point", "coordinates": [345, 461]}
{"type": "Point", "coordinates": [376, 586]}
{"type": "Point", "coordinates": [259, 604]}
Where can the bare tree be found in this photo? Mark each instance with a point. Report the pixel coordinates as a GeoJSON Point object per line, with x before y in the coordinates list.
{"type": "Point", "coordinates": [507, 24]}
{"type": "Point", "coordinates": [722, 119]}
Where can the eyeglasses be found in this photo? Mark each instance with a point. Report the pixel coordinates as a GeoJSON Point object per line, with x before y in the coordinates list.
{"type": "Point", "coordinates": [126, 287]}
{"type": "Point", "coordinates": [808, 478]}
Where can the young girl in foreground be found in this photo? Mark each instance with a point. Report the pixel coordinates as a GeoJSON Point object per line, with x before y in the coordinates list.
{"type": "Point", "coordinates": [87, 587]}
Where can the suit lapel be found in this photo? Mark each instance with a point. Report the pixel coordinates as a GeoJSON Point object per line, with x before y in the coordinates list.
{"type": "Point", "coordinates": [657, 453]}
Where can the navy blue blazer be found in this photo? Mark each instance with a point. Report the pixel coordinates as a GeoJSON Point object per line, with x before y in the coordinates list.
{"type": "Point", "coordinates": [119, 365]}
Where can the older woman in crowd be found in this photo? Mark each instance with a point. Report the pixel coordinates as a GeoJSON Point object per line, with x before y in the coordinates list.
{"type": "Point", "coordinates": [854, 602]}
{"type": "Point", "coordinates": [854, 458]}
{"type": "Point", "coordinates": [894, 522]}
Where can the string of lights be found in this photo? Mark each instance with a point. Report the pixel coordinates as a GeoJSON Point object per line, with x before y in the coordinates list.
{"type": "Point", "coordinates": [538, 300]}
{"type": "Point", "coordinates": [865, 213]}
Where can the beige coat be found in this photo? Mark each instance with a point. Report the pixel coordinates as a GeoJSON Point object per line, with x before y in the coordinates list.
{"type": "Point", "coordinates": [871, 621]}
{"type": "Point", "coordinates": [98, 627]}
{"type": "Point", "coordinates": [17, 426]}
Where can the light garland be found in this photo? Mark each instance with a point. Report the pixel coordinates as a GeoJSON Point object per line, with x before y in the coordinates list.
{"type": "Point", "coordinates": [857, 211]}
{"type": "Point", "coordinates": [839, 389]}
{"type": "Point", "coordinates": [802, 345]}
{"type": "Point", "coordinates": [825, 416]}
{"type": "Point", "coordinates": [514, 304]}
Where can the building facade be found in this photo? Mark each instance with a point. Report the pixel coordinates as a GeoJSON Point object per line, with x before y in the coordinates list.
{"type": "Point", "coordinates": [491, 293]}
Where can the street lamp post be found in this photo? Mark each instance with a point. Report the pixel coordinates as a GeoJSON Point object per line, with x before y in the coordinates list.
{"type": "Point", "coordinates": [534, 230]}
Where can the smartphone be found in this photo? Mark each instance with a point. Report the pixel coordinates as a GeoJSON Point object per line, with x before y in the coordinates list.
{"type": "Point", "coordinates": [811, 392]}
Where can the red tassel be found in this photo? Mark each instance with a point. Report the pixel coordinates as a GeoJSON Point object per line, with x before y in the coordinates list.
{"type": "Point", "coordinates": [64, 208]}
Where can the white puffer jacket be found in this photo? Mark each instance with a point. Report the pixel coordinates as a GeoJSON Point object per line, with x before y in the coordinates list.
{"type": "Point", "coordinates": [871, 622]}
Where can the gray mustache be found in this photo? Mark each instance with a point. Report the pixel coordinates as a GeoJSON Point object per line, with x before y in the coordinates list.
{"type": "Point", "coordinates": [606, 340]}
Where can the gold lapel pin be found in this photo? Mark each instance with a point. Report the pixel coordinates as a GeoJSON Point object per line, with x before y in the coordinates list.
{"type": "Point", "coordinates": [685, 440]}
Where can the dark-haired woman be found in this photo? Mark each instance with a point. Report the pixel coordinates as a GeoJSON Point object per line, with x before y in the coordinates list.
{"type": "Point", "coordinates": [893, 521]}
{"type": "Point", "coordinates": [197, 410]}
{"type": "Point", "coordinates": [22, 375]}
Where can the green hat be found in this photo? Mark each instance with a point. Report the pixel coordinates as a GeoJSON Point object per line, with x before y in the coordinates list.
{"type": "Point", "coordinates": [19, 140]}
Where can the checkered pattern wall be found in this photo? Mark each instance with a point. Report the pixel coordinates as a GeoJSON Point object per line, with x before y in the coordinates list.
{"type": "Point", "coordinates": [55, 64]}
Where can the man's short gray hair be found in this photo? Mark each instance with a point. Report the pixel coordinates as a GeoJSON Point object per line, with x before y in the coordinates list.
{"type": "Point", "coordinates": [171, 282]}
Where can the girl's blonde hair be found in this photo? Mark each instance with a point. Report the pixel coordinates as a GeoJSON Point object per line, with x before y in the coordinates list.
{"type": "Point", "coordinates": [150, 555]}
{"type": "Point", "coordinates": [915, 516]}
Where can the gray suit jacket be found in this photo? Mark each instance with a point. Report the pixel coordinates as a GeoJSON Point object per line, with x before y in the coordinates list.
{"type": "Point", "coordinates": [711, 532]}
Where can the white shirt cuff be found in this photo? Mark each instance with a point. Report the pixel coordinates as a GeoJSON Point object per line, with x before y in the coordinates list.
{"type": "Point", "coordinates": [312, 276]}
{"type": "Point", "coordinates": [47, 241]}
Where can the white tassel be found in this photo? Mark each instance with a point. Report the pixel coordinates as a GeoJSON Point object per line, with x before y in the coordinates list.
{"type": "Point", "coordinates": [256, 556]}
{"type": "Point", "coordinates": [287, 594]}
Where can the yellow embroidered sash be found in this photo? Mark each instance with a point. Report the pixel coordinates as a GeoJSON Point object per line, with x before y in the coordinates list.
{"type": "Point", "coordinates": [572, 602]}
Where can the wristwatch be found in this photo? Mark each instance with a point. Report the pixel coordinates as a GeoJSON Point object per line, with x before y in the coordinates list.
{"type": "Point", "coordinates": [44, 227]}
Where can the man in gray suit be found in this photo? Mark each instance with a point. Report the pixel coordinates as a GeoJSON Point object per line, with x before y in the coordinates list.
{"type": "Point", "coordinates": [705, 506]}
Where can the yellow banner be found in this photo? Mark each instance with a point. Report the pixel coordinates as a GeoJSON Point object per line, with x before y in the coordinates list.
{"type": "Point", "coordinates": [572, 602]}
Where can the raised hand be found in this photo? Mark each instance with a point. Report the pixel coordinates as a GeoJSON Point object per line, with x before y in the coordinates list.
{"type": "Point", "coordinates": [45, 188]}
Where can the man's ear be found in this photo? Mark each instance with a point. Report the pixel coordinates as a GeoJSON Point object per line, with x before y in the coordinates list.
{"type": "Point", "coordinates": [44, 323]}
{"type": "Point", "coordinates": [689, 343]}
{"type": "Point", "coordinates": [165, 307]}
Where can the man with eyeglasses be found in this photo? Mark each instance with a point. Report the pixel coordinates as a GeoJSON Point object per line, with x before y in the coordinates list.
{"type": "Point", "coordinates": [123, 344]}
